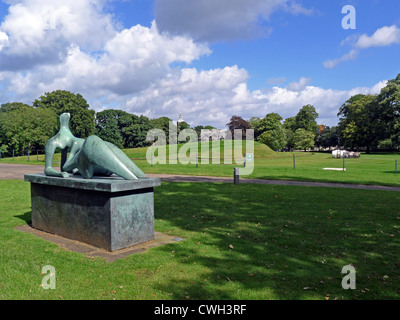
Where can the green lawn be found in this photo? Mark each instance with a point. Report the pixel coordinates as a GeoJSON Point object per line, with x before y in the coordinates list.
{"type": "Point", "coordinates": [376, 169]}
{"type": "Point", "coordinates": [241, 242]}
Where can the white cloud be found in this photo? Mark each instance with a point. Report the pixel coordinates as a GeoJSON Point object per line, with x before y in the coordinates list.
{"type": "Point", "coordinates": [299, 85]}
{"type": "Point", "coordinates": [382, 37]}
{"type": "Point", "coordinates": [201, 96]}
{"type": "Point", "coordinates": [131, 68]}
{"type": "Point", "coordinates": [40, 31]}
{"type": "Point", "coordinates": [129, 62]}
{"type": "Point", "coordinates": [220, 20]}
{"type": "Point", "coordinates": [191, 93]}
{"type": "Point", "coordinates": [3, 39]}
{"type": "Point", "coordinates": [288, 102]}
{"type": "Point", "coordinates": [352, 55]}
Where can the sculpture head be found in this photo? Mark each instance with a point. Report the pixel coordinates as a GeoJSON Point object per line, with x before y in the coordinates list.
{"type": "Point", "coordinates": [64, 119]}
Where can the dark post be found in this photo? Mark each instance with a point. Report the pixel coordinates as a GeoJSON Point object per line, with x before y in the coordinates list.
{"type": "Point", "coordinates": [197, 160]}
{"type": "Point", "coordinates": [29, 153]}
{"type": "Point", "coordinates": [294, 162]}
{"type": "Point", "coordinates": [235, 175]}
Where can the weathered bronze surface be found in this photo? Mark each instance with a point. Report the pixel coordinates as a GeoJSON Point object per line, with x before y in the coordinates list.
{"type": "Point", "coordinates": [109, 213]}
{"type": "Point", "coordinates": [89, 157]}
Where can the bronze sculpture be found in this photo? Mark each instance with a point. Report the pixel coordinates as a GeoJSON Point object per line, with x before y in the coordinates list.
{"type": "Point", "coordinates": [89, 157]}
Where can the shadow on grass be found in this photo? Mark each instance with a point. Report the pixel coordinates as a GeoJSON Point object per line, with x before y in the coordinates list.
{"type": "Point", "coordinates": [27, 217]}
{"type": "Point", "coordinates": [333, 181]}
{"type": "Point", "coordinates": [280, 242]}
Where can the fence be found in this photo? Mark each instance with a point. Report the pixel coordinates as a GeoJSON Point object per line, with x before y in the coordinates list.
{"type": "Point", "coordinates": [30, 155]}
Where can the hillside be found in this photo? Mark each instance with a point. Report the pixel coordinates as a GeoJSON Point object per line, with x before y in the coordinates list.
{"type": "Point", "coordinates": [260, 150]}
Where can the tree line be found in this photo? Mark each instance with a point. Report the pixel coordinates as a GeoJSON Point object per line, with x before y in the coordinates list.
{"type": "Point", "coordinates": [366, 122]}
{"type": "Point", "coordinates": [26, 127]}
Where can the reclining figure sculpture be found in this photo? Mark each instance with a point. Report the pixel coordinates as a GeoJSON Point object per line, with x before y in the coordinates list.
{"type": "Point", "coordinates": [89, 157]}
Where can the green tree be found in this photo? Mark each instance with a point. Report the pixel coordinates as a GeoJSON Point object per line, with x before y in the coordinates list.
{"type": "Point", "coordinates": [303, 139]}
{"type": "Point", "coordinates": [135, 134]}
{"type": "Point", "coordinates": [306, 119]}
{"type": "Point", "coordinates": [26, 128]}
{"type": "Point", "coordinates": [163, 124]}
{"type": "Point", "coordinates": [255, 123]}
{"type": "Point", "coordinates": [107, 127]}
{"type": "Point", "coordinates": [82, 118]}
{"type": "Point", "coordinates": [238, 123]}
{"type": "Point", "coordinates": [272, 131]}
{"type": "Point", "coordinates": [123, 129]}
{"type": "Point", "coordinates": [360, 124]}
{"type": "Point", "coordinates": [328, 137]}
{"type": "Point", "coordinates": [199, 128]}
{"type": "Point", "coordinates": [183, 125]}
{"type": "Point", "coordinates": [388, 106]}
{"type": "Point", "coordinates": [10, 106]}
{"type": "Point", "coordinates": [290, 127]}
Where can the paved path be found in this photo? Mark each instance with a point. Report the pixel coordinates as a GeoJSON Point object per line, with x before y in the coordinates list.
{"type": "Point", "coordinates": [17, 171]}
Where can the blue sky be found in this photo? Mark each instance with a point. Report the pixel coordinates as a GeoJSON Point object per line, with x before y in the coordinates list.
{"type": "Point", "coordinates": [207, 60]}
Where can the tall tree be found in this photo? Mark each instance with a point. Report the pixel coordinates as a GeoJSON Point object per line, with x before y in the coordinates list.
{"type": "Point", "coordinates": [328, 137]}
{"type": "Point", "coordinates": [388, 104]}
{"type": "Point", "coordinates": [107, 127]}
{"type": "Point", "coordinates": [135, 134]}
{"type": "Point", "coordinates": [360, 124]}
{"type": "Point", "coordinates": [123, 129]}
{"type": "Point", "coordinates": [273, 133]}
{"type": "Point", "coordinates": [163, 123]}
{"type": "Point", "coordinates": [238, 123]}
{"type": "Point", "coordinates": [82, 118]}
{"type": "Point", "coordinates": [306, 119]}
{"type": "Point", "coordinates": [303, 139]}
{"type": "Point", "coordinates": [290, 127]}
{"type": "Point", "coordinates": [9, 106]}
{"type": "Point", "coordinates": [255, 123]}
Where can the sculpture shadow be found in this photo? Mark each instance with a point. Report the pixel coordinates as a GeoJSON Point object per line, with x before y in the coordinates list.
{"type": "Point", "coordinates": [27, 217]}
{"type": "Point", "coordinates": [279, 242]}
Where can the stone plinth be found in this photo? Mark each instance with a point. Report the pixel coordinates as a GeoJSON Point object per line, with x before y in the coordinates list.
{"type": "Point", "coordinates": [107, 212]}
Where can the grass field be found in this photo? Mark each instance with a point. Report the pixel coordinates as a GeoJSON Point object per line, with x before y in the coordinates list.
{"type": "Point", "coordinates": [240, 242]}
{"type": "Point", "coordinates": [376, 169]}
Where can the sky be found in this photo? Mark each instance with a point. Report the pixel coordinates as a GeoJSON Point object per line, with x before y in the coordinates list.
{"type": "Point", "coordinates": [204, 59]}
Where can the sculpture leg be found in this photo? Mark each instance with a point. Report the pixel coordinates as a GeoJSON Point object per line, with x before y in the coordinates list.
{"type": "Point", "coordinates": [126, 161]}
{"type": "Point", "coordinates": [107, 156]}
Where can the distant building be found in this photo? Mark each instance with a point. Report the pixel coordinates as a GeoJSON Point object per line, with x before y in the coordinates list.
{"type": "Point", "coordinates": [207, 134]}
{"type": "Point", "coordinates": [180, 119]}
{"type": "Point", "coordinates": [214, 134]}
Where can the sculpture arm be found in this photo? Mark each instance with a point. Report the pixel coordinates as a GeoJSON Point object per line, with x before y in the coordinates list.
{"type": "Point", "coordinates": [71, 163]}
{"type": "Point", "coordinates": [51, 146]}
